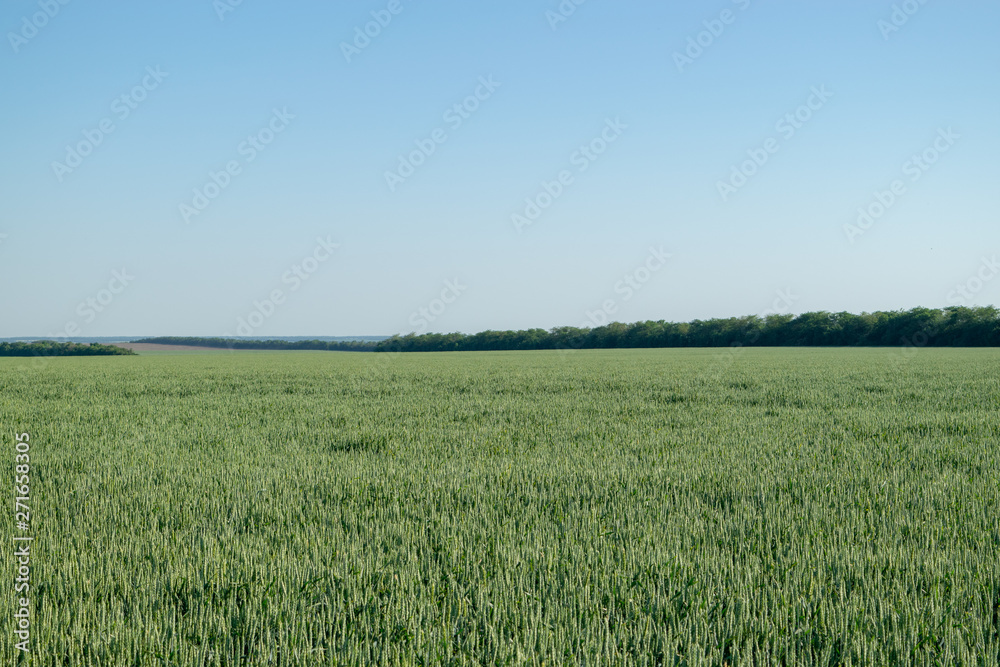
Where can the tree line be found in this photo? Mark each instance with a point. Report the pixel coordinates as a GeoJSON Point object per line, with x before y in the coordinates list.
{"type": "Point", "coordinates": [955, 326]}
{"type": "Point", "coordinates": [242, 344]}
{"type": "Point", "coordinates": [48, 348]}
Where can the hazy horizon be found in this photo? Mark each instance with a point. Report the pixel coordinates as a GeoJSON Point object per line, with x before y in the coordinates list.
{"type": "Point", "coordinates": [776, 308]}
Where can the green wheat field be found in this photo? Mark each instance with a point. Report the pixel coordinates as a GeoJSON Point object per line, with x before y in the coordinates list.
{"type": "Point", "coordinates": [647, 507]}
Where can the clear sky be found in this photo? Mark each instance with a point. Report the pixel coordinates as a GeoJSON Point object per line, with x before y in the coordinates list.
{"type": "Point", "coordinates": [169, 168]}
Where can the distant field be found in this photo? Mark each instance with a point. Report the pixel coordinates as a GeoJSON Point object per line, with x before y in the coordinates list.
{"type": "Point", "coordinates": [683, 507]}
{"type": "Point", "coordinates": [146, 348]}
{"type": "Point", "coordinates": [154, 348]}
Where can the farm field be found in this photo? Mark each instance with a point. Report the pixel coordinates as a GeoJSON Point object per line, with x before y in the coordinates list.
{"type": "Point", "coordinates": [812, 506]}
{"type": "Point", "coordinates": [148, 348]}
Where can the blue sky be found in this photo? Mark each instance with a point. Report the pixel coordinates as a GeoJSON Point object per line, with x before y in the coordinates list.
{"type": "Point", "coordinates": [698, 180]}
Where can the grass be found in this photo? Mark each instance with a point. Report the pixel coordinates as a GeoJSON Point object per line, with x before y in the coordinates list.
{"type": "Point", "coordinates": [794, 506]}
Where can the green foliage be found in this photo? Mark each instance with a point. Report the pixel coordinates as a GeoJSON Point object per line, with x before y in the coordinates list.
{"type": "Point", "coordinates": [676, 507]}
{"type": "Point", "coordinates": [48, 348]}
{"type": "Point", "coordinates": [244, 344]}
{"type": "Point", "coordinates": [951, 327]}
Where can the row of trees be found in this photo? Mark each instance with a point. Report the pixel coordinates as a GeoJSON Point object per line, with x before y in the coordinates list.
{"type": "Point", "coordinates": [242, 344]}
{"type": "Point", "coordinates": [955, 326]}
{"type": "Point", "coordinates": [48, 348]}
